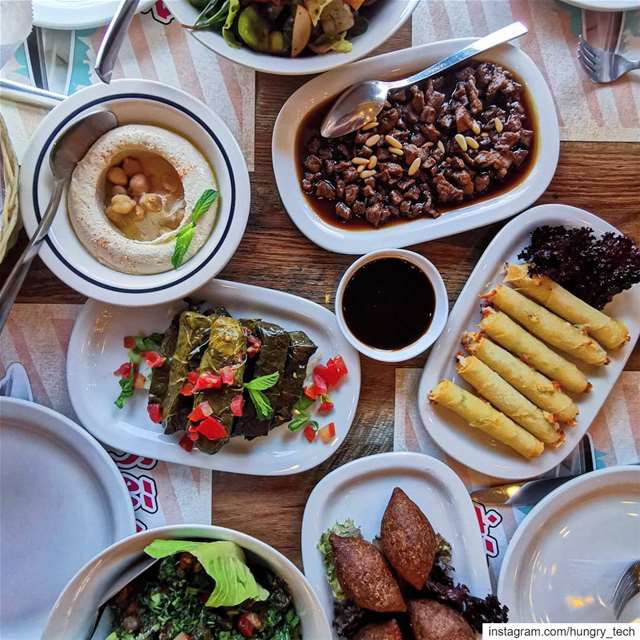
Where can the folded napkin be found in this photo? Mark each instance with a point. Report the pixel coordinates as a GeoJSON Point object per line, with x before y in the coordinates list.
{"type": "Point", "coordinates": [613, 439]}
{"type": "Point", "coordinates": [37, 335]}
{"type": "Point", "coordinates": [586, 111]}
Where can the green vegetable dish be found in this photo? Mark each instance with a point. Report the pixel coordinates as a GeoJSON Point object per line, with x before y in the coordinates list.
{"type": "Point", "coordinates": [204, 591]}
{"type": "Point", "coordinates": [285, 27]}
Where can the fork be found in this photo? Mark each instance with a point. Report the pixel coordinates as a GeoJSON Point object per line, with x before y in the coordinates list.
{"type": "Point", "coordinates": [604, 66]}
{"type": "Point", "coordinates": [628, 587]}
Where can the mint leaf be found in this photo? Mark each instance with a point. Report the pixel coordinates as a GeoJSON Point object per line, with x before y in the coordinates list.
{"type": "Point", "coordinates": [208, 197]}
{"type": "Point", "coordinates": [302, 420]}
{"type": "Point", "coordinates": [183, 240]}
{"type": "Point", "coordinates": [261, 383]}
{"type": "Point", "coordinates": [303, 403]}
{"type": "Point", "coordinates": [263, 407]}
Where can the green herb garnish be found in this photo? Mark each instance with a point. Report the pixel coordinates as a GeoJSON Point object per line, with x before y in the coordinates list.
{"type": "Point", "coordinates": [126, 388]}
{"type": "Point", "coordinates": [301, 415]}
{"type": "Point", "coordinates": [185, 235]}
{"type": "Point", "coordinates": [256, 388]}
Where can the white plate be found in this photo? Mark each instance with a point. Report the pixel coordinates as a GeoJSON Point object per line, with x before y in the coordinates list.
{"type": "Point", "coordinates": [71, 616]}
{"type": "Point", "coordinates": [361, 490]}
{"type": "Point", "coordinates": [77, 14]}
{"type": "Point", "coordinates": [384, 20]}
{"type": "Point", "coordinates": [95, 351]}
{"type": "Point", "coordinates": [475, 449]}
{"type": "Point", "coordinates": [565, 559]}
{"type": "Point", "coordinates": [606, 5]}
{"type": "Point", "coordinates": [63, 501]}
{"type": "Point", "coordinates": [342, 239]}
{"type": "Point", "coordinates": [142, 102]}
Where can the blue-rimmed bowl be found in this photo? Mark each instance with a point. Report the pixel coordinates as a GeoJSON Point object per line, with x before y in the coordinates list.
{"type": "Point", "coordinates": [137, 102]}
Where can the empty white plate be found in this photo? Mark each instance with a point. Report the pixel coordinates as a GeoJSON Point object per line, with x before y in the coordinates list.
{"type": "Point", "coordinates": [566, 558]}
{"type": "Point", "coordinates": [62, 501]}
{"type": "Point", "coordinates": [361, 490]}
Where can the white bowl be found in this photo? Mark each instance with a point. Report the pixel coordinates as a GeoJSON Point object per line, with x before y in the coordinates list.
{"type": "Point", "coordinates": [387, 16]}
{"type": "Point", "coordinates": [74, 612]}
{"type": "Point", "coordinates": [343, 239]}
{"type": "Point", "coordinates": [142, 102]}
{"type": "Point", "coordinates": [439, 315]}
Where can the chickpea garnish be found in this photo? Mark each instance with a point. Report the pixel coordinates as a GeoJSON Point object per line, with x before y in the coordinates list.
{"type": "Point", "coordinates": [138, 184]}
{"type": "Point", "coordinates": [122, 204]}
{"type": "Point", "coordinates": [139, 213]}
{"type": "Point", "coordinates": [116, 175]}
{"type": "Point", "coordinates": [151, 202]}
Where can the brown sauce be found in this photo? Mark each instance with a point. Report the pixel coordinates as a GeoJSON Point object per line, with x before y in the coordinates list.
{"type": "Point", "coordinates": [325, 209]}
{"type": "Point", "coordinates": [388, 303]}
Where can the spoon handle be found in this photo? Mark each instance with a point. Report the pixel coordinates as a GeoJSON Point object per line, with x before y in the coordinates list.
{"type": "Point", "coordinates": [12, 285]}
{"type": "Point", "coordinates": [514, 30]}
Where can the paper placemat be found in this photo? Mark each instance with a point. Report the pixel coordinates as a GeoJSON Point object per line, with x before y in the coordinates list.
{"type": "Point", "coordinates": [157, 48]}
{"type": "Point", "coordinates": [614, 438]}
{"type": "Point", "coordinates": [586, 111]}
{"type": "Point", "coordinates": [37, 335]}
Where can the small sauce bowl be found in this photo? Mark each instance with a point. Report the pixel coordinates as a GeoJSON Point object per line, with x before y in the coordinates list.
{"type": "Point", "coordinates": [434, 328]}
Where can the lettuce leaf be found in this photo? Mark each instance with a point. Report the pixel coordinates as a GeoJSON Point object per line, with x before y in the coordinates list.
{"type": "Point", "coordinates": [346, 529]}
{"type": "Point", "coordinates": [331, 42]}
{"type": "Point", "coordinates": [224, 562]}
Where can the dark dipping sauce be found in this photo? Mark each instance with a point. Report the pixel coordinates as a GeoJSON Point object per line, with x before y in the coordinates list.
{"type": "Point", "coordinates": [388, 303]}
{"type": "Point", "coordinates": [435, 200]}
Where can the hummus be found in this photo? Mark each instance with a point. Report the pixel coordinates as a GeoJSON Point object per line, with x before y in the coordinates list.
{"type": "Point", "coordinates": [132, 193]}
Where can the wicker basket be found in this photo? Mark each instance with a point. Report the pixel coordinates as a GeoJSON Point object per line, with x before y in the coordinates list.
{"type": "Point", "coordinates": [9, 218]}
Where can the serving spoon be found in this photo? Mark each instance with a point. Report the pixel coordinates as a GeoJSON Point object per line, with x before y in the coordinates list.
{"type": "Point", "coordinates": [362, 102]}
{"type": "Point", "coordinates": [65, 153]}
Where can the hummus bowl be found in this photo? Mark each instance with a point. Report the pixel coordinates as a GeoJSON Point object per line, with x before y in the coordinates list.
{"type": "Point", "coordinates": [164, 129]}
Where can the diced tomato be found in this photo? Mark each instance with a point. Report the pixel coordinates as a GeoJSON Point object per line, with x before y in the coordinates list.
{"type": "Point", "coordinates": [227, 375]}
{"type": "Point", "coordinates": [320, 384]}
{"type": "Point", "coordinates": [208, 380]}
{"type": "Point", "coordinates": [155, 412]}
{"type": "Point", "coordinates": [154, 359]}
{"type": "Point", "coordinates": [309, 433]}
{"type": "Point", "coordinates": [192, 433]}
{"type": "Point", "coordinates": [212, 429]}
{"type": "Point", "coordinates": [327, 374]}
{"type": "Point", "coordinates": [202, 411]}
{"type": "Point", "coordinates": [248, 624]}
{"type": "Point", "coordinates": [327, 433]}
{"type": "Point", "coordinates": [124, 370]}
{"type": "Point", "coordinates": [138, 381]}
{"type": "Point", "coordinates": [186, 443]}
{"type": "Point", "coordinates": [193, 376]}
{"type": "Point", "coordinates": [237, 405]}
{"type": "Point", "coordinates": [325, 405]}
{"type": "Point", "coordinates": [187, 389]}
{"type": "Point", "coordinates": [337, 363]}
{"type": "Point", "coordinates": [311, 392]}
{"type": "Point", "coordinates": [129, 342]}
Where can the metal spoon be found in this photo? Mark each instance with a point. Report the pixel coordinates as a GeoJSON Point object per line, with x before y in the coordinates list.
{"type": "Point", "coordinates": [362, 102]}
{"type": "Point", "coordinates": [67, 150]}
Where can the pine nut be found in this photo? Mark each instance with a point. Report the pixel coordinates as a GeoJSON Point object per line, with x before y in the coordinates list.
{"type": "Point", "coordinates": [373, 140]}
{"type": "Point", "coordinates": [415, 165]}
{"type": "Point", "coordinates": [367, 174]}
{"type": "Point", "coordinates": [475, 127]}
{"type": "Point", "coordinates": [359, 160]}
{"type": "Point", "coordinates": [361, 168]}
{"type": "Point", "coordinates": [369, 125]}
{"type": "Point", "coordinates": [472, 142]}
{"type": "Point", "coordinates": [440, 146]}
{"type": "Point", "coordinates": [396, 152]}
{"type": "Point", "coordinates": [373, 161]}
{"type": "Point", "coordinates": [462, 143]}
{"type": "Point", "coordinates": [391, 141]}
{"type": "Point", "coordinates": [498, 124]}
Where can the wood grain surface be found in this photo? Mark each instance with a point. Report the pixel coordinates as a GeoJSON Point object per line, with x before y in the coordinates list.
{"type": "Point", "coordinates": [603, 178]}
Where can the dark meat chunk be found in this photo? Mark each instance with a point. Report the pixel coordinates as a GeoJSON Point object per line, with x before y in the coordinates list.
{"type": "Point", "coordinates": [388, 120]}
{"type": "Point", "coordinates": [526, 138]}
{"type": "Point", "coordinates": [364, 575]}
{"type": "Point", "coordinates": [312, 163]}
{"type": "Point", "coordinates": [508, 138]}
{"type": "Point", "coordinates": [394, 169]}
{"type": "Point", "coordinates": [351, 193]}
{"type": "Point", "coordinates": [481, 182]}
{"type": "Point", "coordinates": [324, 189]}
{"type": "Point", "coordinates": [411, 152]}
{"type": "Point", "coordinates": [499, 160]}
{"type": "Point", "coordinates": [417, 99]}
{"type": "Point", "coordinates": [465, 181]}
{"type": "Point", "coordinates": [343, 211]}
{"type": "Point", "coordinates": [374, 214]}
{"type": "Point", "coordinates": [358, 208]}
{"type": "Point", "coordinates": [475, 104]}
{"type": "Point", "coordinates": [428, 114]}
{"type": "Point", "coordinates": [408, 540]}
{"type": "Point", "coordinates": [395, 197]}
{"type": "Point", "coordinates": [464, 121]}
{"type": "Point", "coordinates": [383, 631]}
{"type": "Point", "coordinates": [519, 156]}
{"type": "Point", "coordinates": [430, 132]}
{"type": "Point", "coordinates": [445, 190]}
{"type": "Point", "coordinates": [431, 620]}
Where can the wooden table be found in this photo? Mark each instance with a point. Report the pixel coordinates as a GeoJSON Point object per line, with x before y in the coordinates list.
{"type": "Point", "coordinates": [600, 177]}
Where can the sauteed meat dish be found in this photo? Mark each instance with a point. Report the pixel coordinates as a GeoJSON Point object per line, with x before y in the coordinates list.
{"type": "Point", "coordinates": [435, 145]}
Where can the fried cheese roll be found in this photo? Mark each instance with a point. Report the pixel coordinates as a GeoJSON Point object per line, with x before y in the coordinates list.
{"type": "Point", "coordinates": [481, 415]}
{"type": "Point", "coordinates": [611, 333]}
{"type": "Point", "coordinates": [508, 400]}
{"type": "Point", "coordinates": [547, 326]}
{"type": "Point", "coordinates": [539, 389]}
{"type": "Point", "coordinates": [534, 352]}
